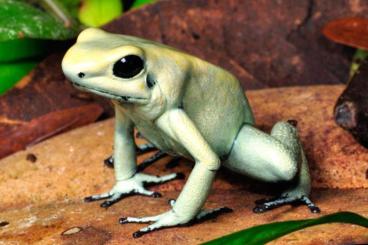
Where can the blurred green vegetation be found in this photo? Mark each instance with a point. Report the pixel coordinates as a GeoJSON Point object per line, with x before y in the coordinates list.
{"type": "Point", "coordinates": [96, 12]}
{"type": "Point", "coordinates": [262, 234]}
{"type": "Point", "coordinates": [359, 56]}
{"type": "Point", "coordinates": [30, 29]}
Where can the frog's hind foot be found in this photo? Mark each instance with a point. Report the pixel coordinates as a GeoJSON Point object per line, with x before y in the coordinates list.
{"type": "Point", "coordinates": [264, 205]}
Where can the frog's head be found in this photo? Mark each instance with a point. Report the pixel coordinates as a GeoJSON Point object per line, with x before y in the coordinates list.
{"type": "Point", "coordinates": [110, 65]}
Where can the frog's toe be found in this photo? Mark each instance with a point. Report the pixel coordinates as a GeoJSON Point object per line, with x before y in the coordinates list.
{"type": "Point", "coordinates": [269, 204]}
{"type": "Point", "coordinates": [126, 220]}
{"type": "Point", "coordinates": [112, 200]}
{"type": "Point", "coordinates": [145, 178]}
{"type": "Point", "coordinates": [266, 205]}
{"type": "Point", "coordinates": [158, 224]}
{"type": "Point", "coordinates": [148, 229]}
{"type": "Point", "coordinates": [149, 161]}
{"type": "Point", "coordinates": [171, 219]}
{"type": "Point", "coordinates": [206, 214]}
{"type": "Point", "coordinates": [167, 219]}
{"type": "Point", "coordinates": [311, 205]}
{"type": "Point", "coordinates": [146, 192]}
{"type": "Point", "coordinates": [97, 197]}
{"type": "Point", "coordinates": [212, 213]}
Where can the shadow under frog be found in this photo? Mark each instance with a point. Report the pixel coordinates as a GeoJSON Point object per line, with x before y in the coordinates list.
{"type": "Point", "coordinates": [185, 107]}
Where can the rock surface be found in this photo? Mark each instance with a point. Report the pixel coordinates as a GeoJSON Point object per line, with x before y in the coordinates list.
{"type": "Point", "coordinates": [75, 222]}
{"type": "Point", "coordinates": [42, 188]}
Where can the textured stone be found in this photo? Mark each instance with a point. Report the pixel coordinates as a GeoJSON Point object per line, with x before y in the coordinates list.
{"type": "Point", "coordinates": [47, 223]}
{"type": "Point", "coordinates": [42, 195]}
{"type": "Point", "coordinates": [336, 159]}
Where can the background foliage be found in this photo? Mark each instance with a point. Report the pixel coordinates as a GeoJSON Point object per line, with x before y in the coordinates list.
{"type": "Point", "coordinates": [265, 233]}
{"type": "Point", "coordinates": [30, 29]}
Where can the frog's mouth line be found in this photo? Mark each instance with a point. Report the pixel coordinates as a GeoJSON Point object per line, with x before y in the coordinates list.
{"type": "Point", "coordinates": [123, 98]}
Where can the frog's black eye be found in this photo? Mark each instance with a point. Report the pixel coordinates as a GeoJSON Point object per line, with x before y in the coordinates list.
{"type": "Point", "coordinates": [128, 66]}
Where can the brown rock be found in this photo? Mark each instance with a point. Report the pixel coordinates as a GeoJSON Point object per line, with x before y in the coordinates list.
{"type": "Point", "coordinates": [336, 159]}
{"type": "Point", "coordinates": [70, 166]}
{"type": "Point", "coordinates": [42, 200]}
{"type": "Point", "coordinates": [87, 223]}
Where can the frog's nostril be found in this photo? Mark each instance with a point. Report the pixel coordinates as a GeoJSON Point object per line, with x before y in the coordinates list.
{"type": "Point", "coordinates": [81, 74]}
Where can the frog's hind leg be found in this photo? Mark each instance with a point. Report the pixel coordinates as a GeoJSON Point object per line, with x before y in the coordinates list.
{"type": "Point", "coordinates": [273, 158]}
{"type": "Point", "coordinates": [300, 186]}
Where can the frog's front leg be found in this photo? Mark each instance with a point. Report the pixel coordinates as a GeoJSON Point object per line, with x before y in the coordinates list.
{"type": "Point", "coordinates": [128, 181]}
{"type": "Point", "coordinates": [140, 149]}
{"type": "Point", "coordinates": [177, 125]}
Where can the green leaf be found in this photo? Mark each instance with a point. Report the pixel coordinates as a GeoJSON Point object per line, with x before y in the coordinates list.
{"type": "Point", "coordinates": [14, 50]}
{"type": "Point", "coordinates": [11, 73]}
{"type": "Point", "coordinates": [21, 20]}
{"type": "Point", "coordinates": [58, 10]}
{"type": "Point", "coordinates": [264, 233]}
{"type": "Point", "coordinates": [72, 6]}
{"type": "Point", "coordinates": [96, 12]}
{"type": "Point", "coordinates": [359, 56]}
{"type": "Point", "coordinates": [140, 3]}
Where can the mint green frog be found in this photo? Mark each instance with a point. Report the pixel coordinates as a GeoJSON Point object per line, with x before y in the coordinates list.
{"type": "Point", "coordinates": [185, 107]}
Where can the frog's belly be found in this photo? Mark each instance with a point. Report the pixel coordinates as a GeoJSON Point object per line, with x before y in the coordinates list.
{"type": "Point", "coordinates": [163, 142]}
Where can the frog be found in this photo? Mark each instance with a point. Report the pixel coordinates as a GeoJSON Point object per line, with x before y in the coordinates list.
{"type": "Point", "coordinates": [185, 107]}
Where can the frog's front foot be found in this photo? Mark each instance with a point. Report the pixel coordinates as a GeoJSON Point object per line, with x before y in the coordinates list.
{"type": "Point", "coordinates": [171, 218]}
{"type": "Point", "coordinates": [268, 204]}
{"type": "Point", "coordinates": [134, 185]}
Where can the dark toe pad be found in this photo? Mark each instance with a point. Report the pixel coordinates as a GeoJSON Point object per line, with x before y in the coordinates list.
{"type": "Point", "coordinates": [264, 205]}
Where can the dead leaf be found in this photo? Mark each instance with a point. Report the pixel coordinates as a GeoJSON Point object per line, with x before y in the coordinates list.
{"type": "Point", "coordinates": [348, 31]}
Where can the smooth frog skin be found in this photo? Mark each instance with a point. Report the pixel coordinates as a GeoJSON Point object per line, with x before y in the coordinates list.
{"type": "Point", "coordinates": [183, 106]}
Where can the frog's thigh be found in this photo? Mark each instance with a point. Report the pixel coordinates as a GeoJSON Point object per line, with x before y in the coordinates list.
{"type": "Point", "coordinates": [263, 156]}
{"type": "Point", "coordinates": [287, 134]}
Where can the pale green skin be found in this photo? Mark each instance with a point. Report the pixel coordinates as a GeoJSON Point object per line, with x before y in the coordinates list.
{"type": "Point", "coordinates": [196, 110]}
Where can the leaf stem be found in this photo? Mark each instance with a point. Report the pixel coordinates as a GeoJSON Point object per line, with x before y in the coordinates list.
{"type": "Point", "coordinates": [55, 8]}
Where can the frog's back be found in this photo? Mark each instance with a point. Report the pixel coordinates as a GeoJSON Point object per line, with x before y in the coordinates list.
{"type": "Point", "coordinates": [215, 101]}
